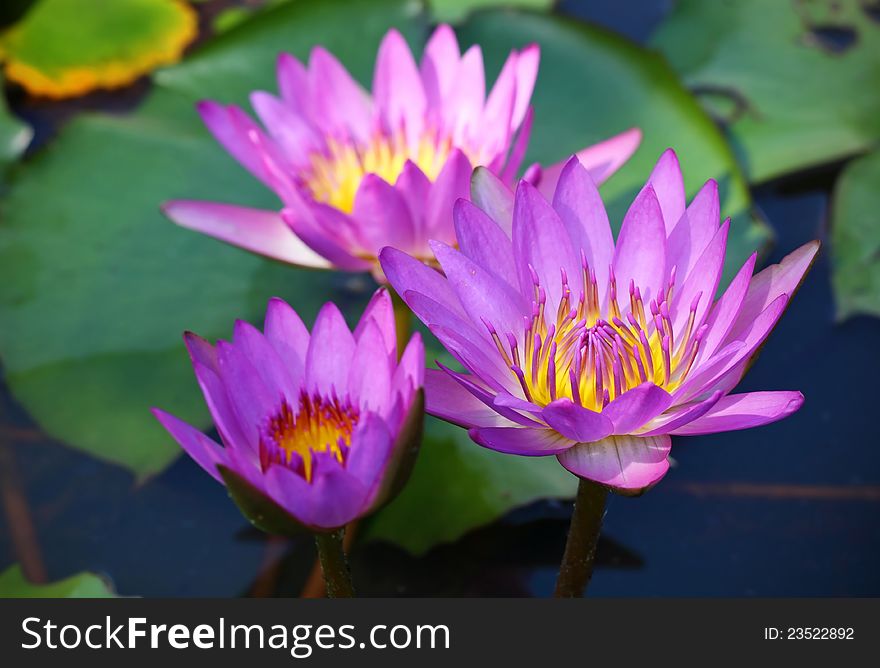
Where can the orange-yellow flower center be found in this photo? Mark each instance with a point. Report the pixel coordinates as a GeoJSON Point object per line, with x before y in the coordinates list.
{"type": "Point", "coordinates": [321, 425]}
{"type": "Point", "coordinates": [592, 357]}
{"type": "Point", "coordinates": [336, 173]}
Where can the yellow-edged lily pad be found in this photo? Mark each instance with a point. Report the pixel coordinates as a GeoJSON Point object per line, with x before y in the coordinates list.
{"type": "Point", "coordinates": [65, 48]}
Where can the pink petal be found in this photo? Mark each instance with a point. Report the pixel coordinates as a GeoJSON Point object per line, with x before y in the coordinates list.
{"type": "Point", "coordinates": [207, 371]}
{"type": "Point", "coordinates": [452, 183]}
{"type": "Point", "coordinates": [640, 254]}
{"type": "Point", "coordinates": [288, 334]}
{"type": "Point", "coordinates": [409, 375]}
{"type": "Point", "coordinates": [406, 274]}
{"type": "Point", "coordinates": [440, 63]}
{"type": "Point", "coordinates": [330, 352]}
{"type": "Point", "coordinates": [340, 105]}
{"type": "Point", "coordinates": [261, 232]}
{"type": "Point", "coordinates": [327, 231]}
{"type": "Point", "coordinates": [244, 140]}
{"type": "Point", "coordinates": [482, 295]}
{"type": "Point", "coordinates": [540, 240]}
{"type": "Point", "coordinates": [627, 464]}
{"type": "Point", "coordinates": [294, 134]}
{"type": "Point", "coordinates": [383, 215]}
{"type": "Point", "coordinates": [483, 241]}
{"type": "Point", "coordinates": [526, 74]}
{"type": "Point", "coordinates": [693, 231]}
{"type": "Point", "coordinates": [681, 415]}
{"type": "Point", "coordinates": [380, 310]}
{"type": "Point", "coordinates": [450, 401]}
{"type": "Point", "coordinates": [397, 88]}
{"type": "Point", "coordinates": [668, 184]}
{"type": "Point", "coordinates": [369, 371]}
{"type": "Point", "coordinates": [463, 106]}
{"type": "Point", "coordinates": [725, 310]}
{"type": "Point", "coordinates": [743, 411]}
{"type": "Point", "coordinates": [701, 284]}
{"type": "Point", "coordinates": [580, 207]}
{"type": "Point", "coordinates": [275, 374]}
{"type": "Point", "coordinates": [576, 422]}
{"type": "Point", "coordinates": [415, 187]}
{"type": "Point", "coordinates": [294, 86]}
{"type": "Point", "coordinates": [601, 160]}
{"type": "Point", "coordinates": [490, 194]}
{"type": "Point", "coordinates": [202, 449]}
{"type": "Point", "coordinates": [520, 440]}
{"type": "Point", "coordinates": [637, 406]}
{"type": "Point", "coordinates": [775, 280]}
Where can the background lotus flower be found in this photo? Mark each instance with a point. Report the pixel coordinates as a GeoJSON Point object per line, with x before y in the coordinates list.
{"type": "Point", "coordinates": [319, 429]}
{"type": "Point", "coordinates": [356, 172]}
{"type": "Point", "coordinates": [590, 350]}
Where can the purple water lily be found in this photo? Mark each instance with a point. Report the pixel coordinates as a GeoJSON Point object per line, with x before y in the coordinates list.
{"type": "Point", "coordinates": [317, 425]}
{"type": "Point", "coordinates": [590, 350]}
{"type": "Point", "coordinates": [356, 172]}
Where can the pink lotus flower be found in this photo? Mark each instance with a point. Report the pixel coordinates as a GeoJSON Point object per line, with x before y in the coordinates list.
{"type": "Point", "coordinates": [590, 350]}
{"type": "Point", "coordinates": [356, 172]}
{"type": "Point", "coordinates": [319, 429]}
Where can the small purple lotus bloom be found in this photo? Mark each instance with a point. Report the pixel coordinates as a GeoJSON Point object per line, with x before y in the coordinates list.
{"type": "Point", "coordinates": [590, 350]}
{"type": "Point", "coordinates": [357, 172]}
{"type": "Point", "coordinates": [317, 426]}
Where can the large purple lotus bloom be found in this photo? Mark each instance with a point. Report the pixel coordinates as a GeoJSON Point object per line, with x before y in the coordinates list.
{"type": "Point", "coordinates": [317, 424]}
{"type": "Point", "coordinates": [356, 172]}
{"type": "Point", "coordinates": [590, 350]}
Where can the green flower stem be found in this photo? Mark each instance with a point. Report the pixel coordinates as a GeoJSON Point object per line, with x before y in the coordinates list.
{"type": "Point", "coordinates": [402, 321]}
{"type": "Point", "coordinates": [583, 535]}
{"type": "Point", "coordinates": [334, 565]}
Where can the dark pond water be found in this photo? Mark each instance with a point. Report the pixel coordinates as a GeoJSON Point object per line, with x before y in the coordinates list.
{"type": "Point", "coordinates": [788, 509]}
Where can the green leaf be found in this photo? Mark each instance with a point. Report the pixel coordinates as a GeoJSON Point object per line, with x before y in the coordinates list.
{"type": "Point", "coordinates": [64, 48]}
{"type": "Point", "coordinates": [454, 11]}
{"type": "Point", "coordinates": [14, 134]}
{"type": "Point", "coordinates": [96, 286]}
{"type": "Point", "coordinates": [13, 584]}
{"type": "Point", "coordinates": [457, 486]}
{"type": "Point", "coordinates": [797, 101]}
{"type": "Point", "coordinates": [855, 238]}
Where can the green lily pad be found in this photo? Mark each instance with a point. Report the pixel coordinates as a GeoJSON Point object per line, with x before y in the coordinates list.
{"type": "Point", "coordinates": [453, 11]}
{"type": "Point", "coordinates": [799, 81]}
{"type": "Point", "coordinates": [65, 48]}
{"type": "Point", "coordinates": [855, 238]}
{"type": "Point", "coordinates": [13, 584]}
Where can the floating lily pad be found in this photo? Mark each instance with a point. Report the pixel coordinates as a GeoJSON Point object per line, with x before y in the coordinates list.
{"type": "Point", "coordinates": [798, 82]}
{"type": "Point", "coordinates": [64, 48]}
{"type": "Point", "coordinates": [855, 238]}
{"type": "Point", "coordinates": [13, 584]}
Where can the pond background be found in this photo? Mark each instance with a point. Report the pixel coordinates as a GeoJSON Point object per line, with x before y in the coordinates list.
{"type": "Point", "coordinates": [791, 509]}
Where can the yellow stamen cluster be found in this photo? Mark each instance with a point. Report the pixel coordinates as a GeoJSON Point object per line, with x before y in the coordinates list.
{"type": "Point", "coordinates": [337, 172]}
{"type": "Point", "coordinates": [321, 425]}
{"type": "Point", "coordinates": [592, 357]}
